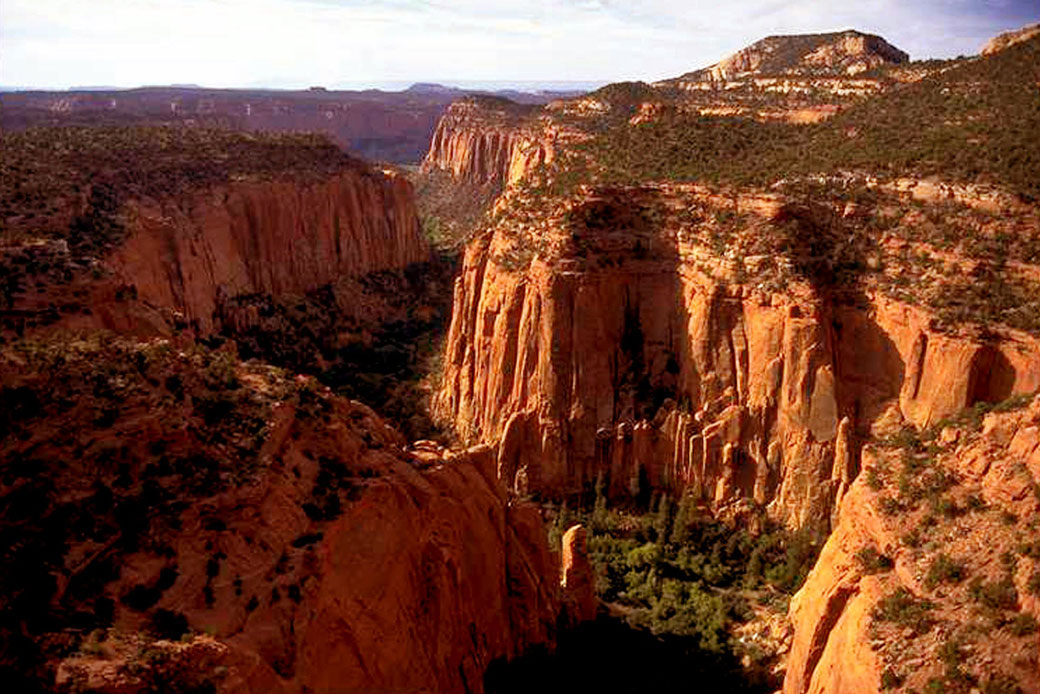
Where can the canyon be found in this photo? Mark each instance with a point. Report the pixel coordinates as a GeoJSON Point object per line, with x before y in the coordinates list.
{"type": "Point", "coordinates": [279, 514]}
{"type": "Point", "coordinates": [291, 560]}
{"type": "Point", "coordinates": [762, 349]}
{"type": "Point", "coordinates": [378, 125]}
{"type": "Point", "coordinates": [665, 384]}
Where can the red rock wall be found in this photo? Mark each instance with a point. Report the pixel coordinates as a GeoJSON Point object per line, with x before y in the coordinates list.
{"type": "Point", "coordinates": [272, 237]}
{"type": "Point", "coordinates": [474, 148]}
{"type": "Point", "coordinates": [428, 574]}
{"type": "Point", "coordinates": [557, 367]}
{"type": "Point", "coordinates": [841, 646]}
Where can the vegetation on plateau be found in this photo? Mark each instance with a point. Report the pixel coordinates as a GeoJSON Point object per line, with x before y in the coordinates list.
{"type": "Point", "coordinates": [974, 123]}
{"type": "Point", "coordinates": [69, 182]}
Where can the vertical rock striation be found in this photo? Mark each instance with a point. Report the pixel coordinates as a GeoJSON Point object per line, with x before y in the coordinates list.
{"type": "Point", "coordinates": [485, 141]}
{"type": "Point", "coordinates": [627, 360]}
{"type": "Point", "coordinates": [270, 237]}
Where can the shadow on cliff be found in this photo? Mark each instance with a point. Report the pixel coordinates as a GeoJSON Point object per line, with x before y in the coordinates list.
{"type": "Point", "coordinates": [374, 340]}
{"type": "Point", "coordinates": [609, 655]}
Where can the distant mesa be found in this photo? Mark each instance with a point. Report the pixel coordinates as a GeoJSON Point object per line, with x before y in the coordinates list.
{"type": "Point", "coordinates": [94, 88]}
{"type": "Point", "coordinates": [1010, 38]}
{"type": "Point", "coordinates": [844, 53]}
{"type": "Point", "coordinates": [432, 88]}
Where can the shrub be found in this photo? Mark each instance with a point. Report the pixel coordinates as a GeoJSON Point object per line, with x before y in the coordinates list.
{"type": "Point", "coordinates": [904, 609]}
{"type": "Point", "coordinates": [141, 597]}
{"type": "Point", "coordinates": [1001, 684]}
{"type": "Point", "coordinates": [1000, 594]}
{"type": "Point", "coordinates": [1023, 624]}
{"type": "Point", "coordinates": [890, 679]}
{"type": "Point", "coordinates": [945, 570]}
{"type": "Point", "coordinates": [1033, 584]}
{"type": "Point", "coordinates": [169, 625]}
{"type": "Point", "coordinates": [872, 561]}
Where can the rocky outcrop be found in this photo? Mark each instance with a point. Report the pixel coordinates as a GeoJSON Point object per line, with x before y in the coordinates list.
{"type": "Point", "coordinates": [799, 79]}
{"type": "Point", "coordinates": [577, 579]}
{"type": "Point", "coordinates": [1010, 38]}
{"type": "Point", "coordinates": [295, 529]}
{"type": "Point", "coordinates": [618, 352]}
{"type": "Point", "coordinates": [929, 590]}
{"type": "Point", "coordinates": [843, 53]}
{"type": "Point", "coordinates": [275, 238]}
{"type": "Point", "coordinates": [491, 142]}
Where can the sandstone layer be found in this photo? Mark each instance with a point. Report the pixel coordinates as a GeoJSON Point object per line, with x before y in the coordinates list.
{"type": "Point", "coordinates": [490, 142]}
{"type": "Point", "coordinates": [182, 258]}
{"type": "Point", "coordinates": [627, 348]}
{"type": "Point", "coordinates": [848, 52]}
{"type": "Point", "coordinates": [930, 586]}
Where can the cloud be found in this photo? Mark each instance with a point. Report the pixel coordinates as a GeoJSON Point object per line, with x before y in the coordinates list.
{"type": "Point", "coordinates": [58, 43]}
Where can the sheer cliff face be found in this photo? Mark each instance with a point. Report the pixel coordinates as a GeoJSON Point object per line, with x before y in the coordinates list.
{"type": "Point", "coordinates": [294, 528]}
{"type": "Point", "coordinates": [182, 257]}
{"type": "Point", "coordinates": [931, 577]}
{"type": "Point", "coordinates": [483, 142]}
{"type": "Point", "coordinates": [276, 238]}
{"type": "Point", "coordinates": [628, 348]}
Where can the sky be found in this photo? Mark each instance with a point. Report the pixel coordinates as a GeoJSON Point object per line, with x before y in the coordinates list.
{"type": "Point", "coordinates": [56, 44]}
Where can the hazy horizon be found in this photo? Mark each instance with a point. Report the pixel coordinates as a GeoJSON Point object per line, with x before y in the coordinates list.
{"type": "Point", "coordinates": [530, 86]}
{"type": "Point", "coordinates": [295, 44]}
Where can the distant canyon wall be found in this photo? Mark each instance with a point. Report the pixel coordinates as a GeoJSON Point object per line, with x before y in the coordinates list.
{"type": "Point", "coordinates": [479, 144]}
{"type": "Point", "coordinates": [182, 258]}
{"type": "Point", "coordinates": [394, 127]}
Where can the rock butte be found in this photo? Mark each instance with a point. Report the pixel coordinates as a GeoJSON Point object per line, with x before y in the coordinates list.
{"type": "Point", "coordinates": [1010, 38]}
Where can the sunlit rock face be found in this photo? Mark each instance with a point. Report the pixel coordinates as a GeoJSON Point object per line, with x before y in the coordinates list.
{"type": "Point", "coordinates": [898, 588]}
{"type": "Point", "coordinates": [636, 354]}
{"type": "Point", "coordinates": [492, 142]}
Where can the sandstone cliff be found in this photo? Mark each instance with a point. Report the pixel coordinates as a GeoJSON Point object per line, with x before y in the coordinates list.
{"type": "Point", "coordinates": [1010, 38]}
{"type": "Point", "coordinates": [295, 529]}
{"type": "Point", "coordinates": [144, 256]}
{"type": "Point", "coordinates": [490, 142]}
{"type": "Point", "coordinates": [611, 337]}
{"type": "Point", "coordinates": [930, 579]}
{"type": "Point", "coordinates": [276, 238]}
